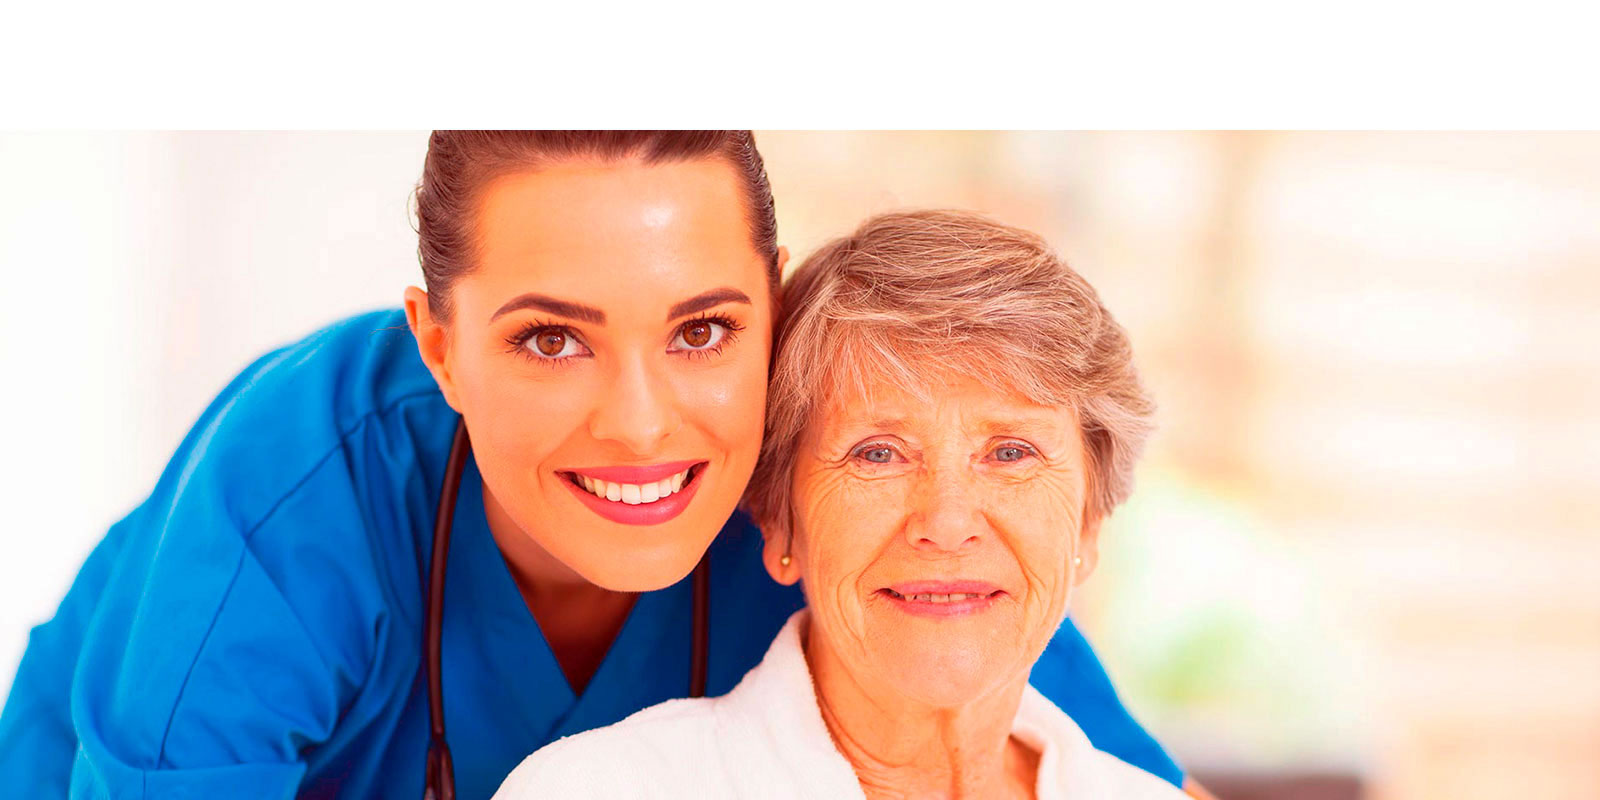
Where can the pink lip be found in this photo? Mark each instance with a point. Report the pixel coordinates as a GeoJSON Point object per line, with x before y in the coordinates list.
{"type": "Point", "coordinates": [644, 513]}
{"type": "Point", "coordinates": [647, 474]}
{"type": "Point", "coordinates": [987, 595]}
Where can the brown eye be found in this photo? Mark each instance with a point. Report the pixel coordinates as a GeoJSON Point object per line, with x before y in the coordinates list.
{"type": "Point", "coordinates": [697, 334]}
{"type": "Point", "coordinates": [701, 335]}
{"type": "Point", "coordinates": [551, 343]}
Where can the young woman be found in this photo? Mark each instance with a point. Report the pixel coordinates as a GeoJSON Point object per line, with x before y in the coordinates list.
{"type": "Point", "coordinates": [598, 312]}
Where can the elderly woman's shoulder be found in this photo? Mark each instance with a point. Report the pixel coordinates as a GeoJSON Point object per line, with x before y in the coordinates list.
{"type": "Point", "coordinates": [649, 754]}
{"type": "Point", "coordinates": [1124, 780]}
{"type": "Point", "coordinates": [1073, 767]}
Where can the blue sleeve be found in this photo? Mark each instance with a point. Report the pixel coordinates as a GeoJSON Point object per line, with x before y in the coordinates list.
{"type": "Point", "coordinates": [36, 738]}
{"type": "Point", "coordinates": [222, 641]}
{"type": "Point", "coordinates": [243, 612]}
{"type": "Point", "coordinates": [229, 640]}
{"type": "Point", "coordinates": [1070, 675]}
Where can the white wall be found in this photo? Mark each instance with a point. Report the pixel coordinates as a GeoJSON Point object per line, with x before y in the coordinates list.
{"type": "Point", "coordinates": [141, 271]}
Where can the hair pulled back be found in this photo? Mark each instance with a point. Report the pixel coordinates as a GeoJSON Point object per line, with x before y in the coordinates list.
{"type": "Point", "coordinates": [460, 163]}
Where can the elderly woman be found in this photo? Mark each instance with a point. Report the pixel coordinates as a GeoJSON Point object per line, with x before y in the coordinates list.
{"type": "Point", "coordinates": [952, 415]}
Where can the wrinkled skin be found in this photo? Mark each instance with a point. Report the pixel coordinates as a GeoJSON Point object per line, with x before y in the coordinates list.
{"type": "Point", "coordinates": [888, 489]}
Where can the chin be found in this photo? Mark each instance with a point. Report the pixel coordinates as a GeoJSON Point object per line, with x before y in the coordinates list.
{"type": "Point", "coordinates": [624, 568]}
{"type": "Point", "coordinates": [639, 578]}
{"type": "Point", "coordinates": [942, 673]}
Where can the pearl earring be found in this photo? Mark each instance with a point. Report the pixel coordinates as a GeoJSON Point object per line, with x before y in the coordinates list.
{"type": "Point", "coordinates": [1077, 561]}
{"type": "Point", "coordinates": [788, 541]}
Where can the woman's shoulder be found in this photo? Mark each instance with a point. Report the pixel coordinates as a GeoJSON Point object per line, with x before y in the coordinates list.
{"type": "Point", "coordinates": [367, 361]}
{"type": "Point", "coordinates": [354, 392]}
{"type": "Point", "coordinates": [280, 549]}
{"type": "Point", "coordinates": [331, 444]}
{"type": "Point", "coordinates": [327, 383]}
{"type": "Point", "coordinates": [301, 488]}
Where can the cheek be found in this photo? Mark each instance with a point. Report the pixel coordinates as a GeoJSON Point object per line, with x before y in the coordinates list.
{"type": "Point", "coordinates": [1043, 510]}
{"type": "Point", "coordinates": [520, 412]}
{"type": "Point", "coordinates": [848, 523]}
{"type": "Point", "coordinates": [727, 404]}
{"type": "Point", "coordinates": [1043, 528]}
{"type": "Point", "coordinates": [1040, 524]}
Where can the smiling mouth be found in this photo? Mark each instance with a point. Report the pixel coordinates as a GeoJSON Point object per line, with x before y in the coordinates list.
{"type": "Point", "coordinates": [636, 494]}
{"type": "Point", "coordinates": [929, 597]}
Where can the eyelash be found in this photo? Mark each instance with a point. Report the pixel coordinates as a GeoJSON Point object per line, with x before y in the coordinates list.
{"type": "Point", "coordinates": [517, 342]}
{"type": "Point", "coordinates": [731, 333]}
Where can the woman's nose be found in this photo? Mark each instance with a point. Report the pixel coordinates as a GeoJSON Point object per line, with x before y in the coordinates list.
{"type": "Point", "coordinates": [638, 412]}
{"type": "Point", "coordinates": [945, 515]}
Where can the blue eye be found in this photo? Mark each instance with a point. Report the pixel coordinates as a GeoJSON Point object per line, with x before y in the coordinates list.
{"type": "Point", "coordinates": [875, 453]}
{"type": "Point", "coordinates": [1011, 452]}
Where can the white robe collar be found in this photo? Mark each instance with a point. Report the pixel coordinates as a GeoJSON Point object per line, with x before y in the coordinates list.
{"type": "Point", "coordinates": [767, 739]}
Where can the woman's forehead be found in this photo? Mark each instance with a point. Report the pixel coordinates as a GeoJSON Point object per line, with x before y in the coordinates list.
{"type": "Point", "coordinates": [613, 216]}
{"type": "Point", "coordinates": [622, 238]}
{"type": "Point", "coordinates": [571, 203]}
{"type": "Point", "coordinates": [957, 404]}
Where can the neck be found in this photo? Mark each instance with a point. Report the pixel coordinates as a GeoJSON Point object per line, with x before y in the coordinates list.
{"type": "Point", "coordinates": [579, 620]}
{"type": "Point", "coordinates": [901, 748]}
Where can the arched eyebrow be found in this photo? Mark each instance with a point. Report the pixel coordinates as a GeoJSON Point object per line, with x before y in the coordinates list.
{"type": "Point", "coordinates": [707, 299]}
{"type": "Point", "coordinates": [565, 308]}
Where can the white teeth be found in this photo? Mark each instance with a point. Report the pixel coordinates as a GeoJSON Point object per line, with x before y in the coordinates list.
{"type": "Point", "coordinates": [635, 494]}
{"type": "Point", "coordinates": [941, 598]}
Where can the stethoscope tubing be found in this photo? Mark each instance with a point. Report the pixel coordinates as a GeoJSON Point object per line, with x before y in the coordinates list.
{"type": "Point", "coordinates": [441, 779]}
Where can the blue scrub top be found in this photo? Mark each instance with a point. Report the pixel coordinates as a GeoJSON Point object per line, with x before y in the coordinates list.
{"type": "Point", "coordinates": [254, 628]}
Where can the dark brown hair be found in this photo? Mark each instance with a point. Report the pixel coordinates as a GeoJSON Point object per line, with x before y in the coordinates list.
{"type": "Point", "coordinates": [460, 163]}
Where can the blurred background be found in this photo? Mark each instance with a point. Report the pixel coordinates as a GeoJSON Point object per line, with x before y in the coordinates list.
{"type": "Point", "coordinates": [1361, 556]}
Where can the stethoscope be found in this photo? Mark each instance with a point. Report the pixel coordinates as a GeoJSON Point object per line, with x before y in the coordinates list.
{"type": "Point", "coordinates": [441, 778]}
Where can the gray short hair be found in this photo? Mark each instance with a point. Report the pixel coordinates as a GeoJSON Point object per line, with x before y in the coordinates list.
{"type": "Point", "coordinates": [911, 296]}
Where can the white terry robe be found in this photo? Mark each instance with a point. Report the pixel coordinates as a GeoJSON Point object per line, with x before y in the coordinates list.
{"type": "Point", "coordinates": [766, 739]}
